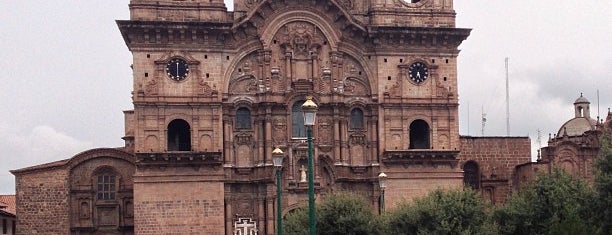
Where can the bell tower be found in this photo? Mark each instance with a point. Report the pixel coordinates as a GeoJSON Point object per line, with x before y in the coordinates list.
{"type": "Point", "coordinates": [176, 121]}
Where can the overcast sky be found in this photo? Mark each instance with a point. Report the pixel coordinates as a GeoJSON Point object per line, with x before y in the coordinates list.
{"type": "Point", "coordinates": [66, 79]}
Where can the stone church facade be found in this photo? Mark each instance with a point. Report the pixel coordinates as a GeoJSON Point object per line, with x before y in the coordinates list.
{"type": "Point", "coordinates": [214, 92]}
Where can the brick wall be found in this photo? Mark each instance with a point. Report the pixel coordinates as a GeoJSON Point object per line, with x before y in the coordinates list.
{"type": "Point", "coordinates": [497, 158]}
{"type": "Point", "coordinates": [179, 208]}
{"type": "Point", "coordinates": [42, 202]}
{"type": "Point", "coordinates": [405, 184]}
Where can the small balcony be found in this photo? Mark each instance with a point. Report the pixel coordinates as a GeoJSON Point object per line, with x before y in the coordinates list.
{"type": "Point", "coordinates": [421, 157]}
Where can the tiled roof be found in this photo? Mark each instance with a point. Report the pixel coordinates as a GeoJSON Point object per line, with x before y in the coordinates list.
{"type": "Point", "coordinates": [7, 204]}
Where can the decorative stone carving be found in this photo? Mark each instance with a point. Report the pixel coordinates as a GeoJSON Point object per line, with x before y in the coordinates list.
{"type": "Point", "coordinates": [301, 39]}
{"type": "Point", "coordinates": [280, 130]}
{"type": "Point", "coordinates": [243, 138]}
{"type": "Point", "coordinates": [204, 88]}
{"type": "Point", "coordinates": [325, 130]}
{"type": "Point", "coordinates": [358, 138]}
{"type": "Point", "coordinates": [151, 87]}
{"type": "Point", "coordinates": [348, 4]}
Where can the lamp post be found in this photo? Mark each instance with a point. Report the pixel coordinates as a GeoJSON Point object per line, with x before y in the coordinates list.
{"type": "Point", "coordinates": [309, 108]}
{"type": "Point", "coordinates": [382, 183]}
{"type": "Point", "coordinates": [277, 159]}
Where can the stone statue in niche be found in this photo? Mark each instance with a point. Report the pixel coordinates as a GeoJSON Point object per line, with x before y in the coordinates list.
{"type": "Point", "coordinates": [302, 174]}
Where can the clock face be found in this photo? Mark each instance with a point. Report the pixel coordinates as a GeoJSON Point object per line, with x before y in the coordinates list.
{"type": "Point", "coordinates": [177, 69]}
{"type": "Point", "coordinates": [418, 72]}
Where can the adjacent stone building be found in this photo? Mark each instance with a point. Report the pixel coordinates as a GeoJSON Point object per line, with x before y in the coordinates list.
{"type": "Point", "coordinates": [214, 92]}
{"type": "Point", "coordinates": [574, 148]}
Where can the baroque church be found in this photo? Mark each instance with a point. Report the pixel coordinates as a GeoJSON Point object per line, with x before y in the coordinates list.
{"type": "Point", "coordinates": [216, 91]}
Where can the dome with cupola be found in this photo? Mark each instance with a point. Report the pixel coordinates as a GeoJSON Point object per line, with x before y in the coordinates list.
{"type": "Point", "coordinates": [582, 122]}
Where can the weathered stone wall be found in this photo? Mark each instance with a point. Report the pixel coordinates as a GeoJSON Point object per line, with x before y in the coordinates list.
{"type": "Point", "coordinates": [42, 202]}
{"type": "Point", "coordinates": [179, 208]}
{"type": "Point", "coordinates": [497, 158]}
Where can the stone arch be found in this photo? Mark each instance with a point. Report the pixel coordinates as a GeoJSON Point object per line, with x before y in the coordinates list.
{"type": "Point", "coordinates": [420, 134]}
{"type": "Point", "coordinates": [327, 172]}
{"type": "Point", "coordinates": [293, 207]}
{"type": "Point", "coordinates": [178, 135]}
{"type": "Point", "coordinates": [98, 153]}
{"type": "Point", "coordinates": [243, 51]}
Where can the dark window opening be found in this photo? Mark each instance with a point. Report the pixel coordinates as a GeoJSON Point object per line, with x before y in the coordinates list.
{"type": "Point", "coordinates": [146, 75]}
{"type": "Point", "coordinates": [243, 118]}
{"type": "Point", "coordinates": [356, 119]}
{"type": "Point", "coordinates": [4, 226]}
{"type": "Point", "coordinates": [179, 136]}
{"type": "Point", "coordinates": [471, 175]}
{"type": "Point", "coordinates": [419, 135]}
{"type": "Point", "coordinates": [106, 187]}
{"type": "Point", "coordinates": [297, 120]}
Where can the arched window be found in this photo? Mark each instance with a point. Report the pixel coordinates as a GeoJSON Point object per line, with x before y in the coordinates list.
{"type": "Point", "coordinates": [243, 118]}
{"type": "Point", "coordinates": [356, 119]}
{"type": "Point", "coordinates": [106, 187]}
{"type": "Point", "coordinates": [419, 135]}
{"type": "Point", "coordinates": [179, 136]}
{"type": "Point", "coordinates": [471, 174]}
{"type": "Point", "coordinates": [298, 130]}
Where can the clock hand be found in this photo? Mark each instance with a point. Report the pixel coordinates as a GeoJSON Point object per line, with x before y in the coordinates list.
{"type": "Point", "coordinates": [177, 68]}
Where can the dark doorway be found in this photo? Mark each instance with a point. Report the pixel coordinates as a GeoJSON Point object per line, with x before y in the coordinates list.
{"type": "Point", "coordinates": [419, 135]}
{"type": "Point", "coordinates": [179, 136]}
{"type": "Point", "coordinates": [471, 175]}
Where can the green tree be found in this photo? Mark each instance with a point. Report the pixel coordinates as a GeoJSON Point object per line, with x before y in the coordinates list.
{"type": "Point", "coordinates": [337, 214]}
{"type": "Point", "coordinates": [603, 187]}
{"type": "Point", "coordinates": [441, 212]}
{"type": "Point", "coordinates": [554, 203]}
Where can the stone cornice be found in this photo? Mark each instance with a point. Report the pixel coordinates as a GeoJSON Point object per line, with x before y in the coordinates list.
{"type": "Point", "coordinates": [409, 37]}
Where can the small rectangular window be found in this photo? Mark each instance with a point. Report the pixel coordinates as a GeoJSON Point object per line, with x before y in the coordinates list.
{"type": "Point", "coordinates": [4, 227]}
{"type": "Point", "coordinates": [106, 187]}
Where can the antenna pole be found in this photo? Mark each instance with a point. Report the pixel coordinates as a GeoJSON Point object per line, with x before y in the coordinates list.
{"type": "Point", "coordinates": [468, 121]}
{"type": "Point", "coordinates": [507, 101]}
{"type": "Point", "coordinates": [484, 120]}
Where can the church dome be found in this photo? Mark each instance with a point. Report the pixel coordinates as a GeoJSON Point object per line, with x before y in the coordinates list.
{"type": "Point", "coordinates": [577, 126]}
{"type": "Point", "coordinates": [581, 100]}
{"type": "Point", "coordinates": [582, 121]}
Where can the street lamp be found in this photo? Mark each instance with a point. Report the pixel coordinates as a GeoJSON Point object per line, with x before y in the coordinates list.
{"type": "Point", "coordinates": [309, 109]}
{"type": "Point", "coordinates": [382, 183]}
{"type": "Point", "coordinates": [277, 159]}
